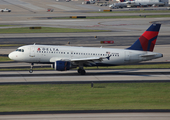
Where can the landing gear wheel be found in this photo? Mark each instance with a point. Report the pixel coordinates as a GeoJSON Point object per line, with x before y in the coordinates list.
{"type": "Point", "coordinates": [30, 71]}
{"type": "Point", "coordinates": [83, 72]}
{"type": "Point", "coordinates": [79, 71]}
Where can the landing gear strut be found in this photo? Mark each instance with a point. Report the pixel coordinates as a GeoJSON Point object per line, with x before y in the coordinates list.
{"type": "Point", "coordinates": [81, 71]}
{"type": "Point", "coordinates": [31, 69]}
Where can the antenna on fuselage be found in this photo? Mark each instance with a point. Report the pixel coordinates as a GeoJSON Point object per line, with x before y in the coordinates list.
{"type": "Point", "coordinates": [34, 43]}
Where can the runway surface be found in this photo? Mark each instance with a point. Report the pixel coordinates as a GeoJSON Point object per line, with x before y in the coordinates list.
{"type": "Point", "coordinates": [130, 75]}
{"type": "Point", "coordinates": [90, 116]}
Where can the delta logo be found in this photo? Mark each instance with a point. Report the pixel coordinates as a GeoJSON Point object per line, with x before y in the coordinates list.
{"type": "Point", "coordinates": [47, 49]}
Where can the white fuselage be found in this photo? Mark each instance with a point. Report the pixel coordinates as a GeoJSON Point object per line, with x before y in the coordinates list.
{"type": "Point", "coordinates": [50, 54]}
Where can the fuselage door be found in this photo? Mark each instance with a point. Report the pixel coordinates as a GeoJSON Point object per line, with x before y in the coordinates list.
{"type": "Point", "coordinates": [127, 56]}
{"type": "Point", "coordinates": [71, 54]}
{"type": "Point", "coordinates": [32, 52]}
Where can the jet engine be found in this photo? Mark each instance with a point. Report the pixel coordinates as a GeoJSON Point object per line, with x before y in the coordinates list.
{"type": "Point", "coordinates": [62, 65]}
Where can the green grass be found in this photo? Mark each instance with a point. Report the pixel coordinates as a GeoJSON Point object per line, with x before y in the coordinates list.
{"type": "Point", "coordinates": [82, 97]}
{"type": "Point", "coordinates": [10, 45]}
{"type": "Point", "coordinates": [143, 66]}
{"type": "Point", "coordinates": [23, 69]}
{"type": "Point", "coordinates": [6, 25]}
{"type": "Point", "coordinates": [4, 59]}
{"type": "Point", "coordinates": [46, 30]}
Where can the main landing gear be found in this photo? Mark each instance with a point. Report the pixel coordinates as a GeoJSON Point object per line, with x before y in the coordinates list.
{"type": "Point", "coordinates": [81, 71]}
{"type": "Point", "coordinates": [31, 69]}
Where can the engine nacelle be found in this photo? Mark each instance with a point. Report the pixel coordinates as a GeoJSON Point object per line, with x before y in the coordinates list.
{"type": "Point", "coordinates": [62, 65]}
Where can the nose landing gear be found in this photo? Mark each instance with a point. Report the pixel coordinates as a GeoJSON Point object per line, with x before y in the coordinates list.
{"type": "Point", "coordinates": [31, 69]}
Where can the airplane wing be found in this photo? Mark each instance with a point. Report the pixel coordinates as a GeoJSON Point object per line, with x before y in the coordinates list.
{"type": "Point", "coordinates": [86, 61]}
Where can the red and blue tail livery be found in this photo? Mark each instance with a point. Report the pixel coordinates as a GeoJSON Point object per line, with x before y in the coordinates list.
{"type": "Point", "coordinates": [147, 40]}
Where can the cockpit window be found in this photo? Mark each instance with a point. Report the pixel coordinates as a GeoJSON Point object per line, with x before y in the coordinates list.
{"type": "Point", "coordinates": [20, 50]}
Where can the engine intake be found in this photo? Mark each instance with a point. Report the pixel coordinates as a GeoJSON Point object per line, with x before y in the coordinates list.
{"type": "Point", "coordinates": [62, 65]}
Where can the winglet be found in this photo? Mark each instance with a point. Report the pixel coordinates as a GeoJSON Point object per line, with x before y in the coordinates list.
{"type": "Point", "coordinates": [147, 40]}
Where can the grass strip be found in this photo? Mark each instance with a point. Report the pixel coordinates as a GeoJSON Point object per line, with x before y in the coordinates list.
{"type": "Point", "coordinates": [142, 66]}
{"type": "Point", "coordinates": [46, 30]}
{"type": "Point", "coordinates": [25, 69]}
{"type": "Point", "coordinates": [4, 59]}
{"type": "Point", "coordinates": [10, 45]}
{"type": "Point", "coordinates": [6, 25]}
{"type": "Point", "coordinates": [110, 96]}
{"type": "Point", "coordinates": [147, 66]}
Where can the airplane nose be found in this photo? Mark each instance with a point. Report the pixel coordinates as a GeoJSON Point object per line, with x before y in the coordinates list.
{"type": "Point", "coordinates": [11, 56]}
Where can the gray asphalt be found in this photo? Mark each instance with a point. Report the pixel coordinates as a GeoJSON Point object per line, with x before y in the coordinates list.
{"type": "Point", "coordinates": [84, 40]}
{"type": "Point", "coordinates": [90, 116]}
{"type": "Point", "coordinates": [135, 75]}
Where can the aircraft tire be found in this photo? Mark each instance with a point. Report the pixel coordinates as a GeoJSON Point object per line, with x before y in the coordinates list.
{"type": "Point", "coordinates": [30, 71]}
{"type": "Point", "coordinates": [83, 72]}
{"type": "Point", "coordinates": [79, 71]}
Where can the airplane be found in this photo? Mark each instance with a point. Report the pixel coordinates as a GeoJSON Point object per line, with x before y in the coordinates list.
{"type": "Point", "coordinates": [135, 3]}
{"type": "Point", "coordinates": [65, 58]}
{"type": "Point", "coordinates": [118, 5]}
{"type": "Point", "coordinates": [144, 3]}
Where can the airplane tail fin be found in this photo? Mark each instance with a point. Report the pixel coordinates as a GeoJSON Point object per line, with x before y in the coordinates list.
{"type": "Point", "coordinates": [147, 40]}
